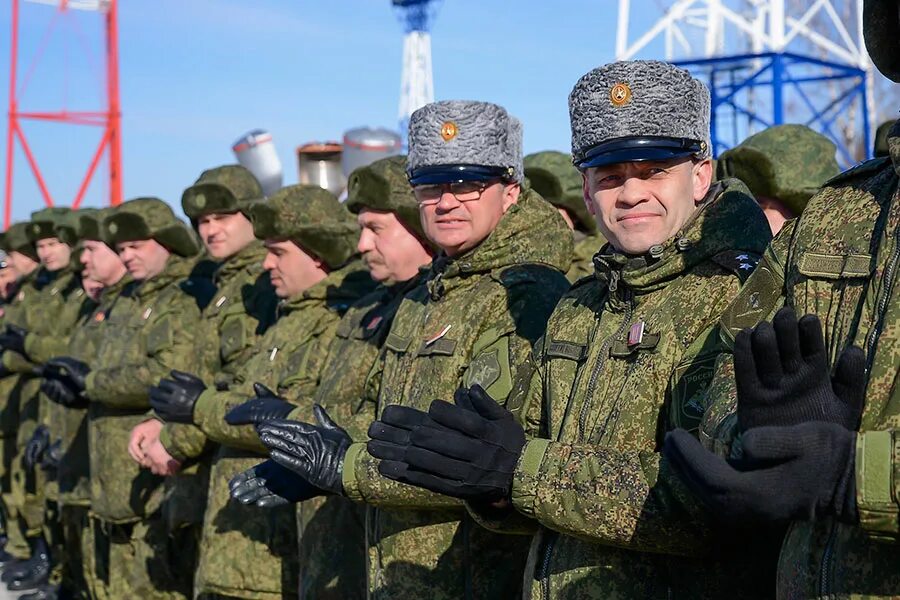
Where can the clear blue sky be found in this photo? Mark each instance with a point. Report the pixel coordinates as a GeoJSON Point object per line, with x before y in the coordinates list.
{"type": "Point", "coordinates": [196, 74]}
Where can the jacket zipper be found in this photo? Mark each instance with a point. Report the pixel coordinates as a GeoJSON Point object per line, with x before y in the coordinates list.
{"type": "Point", "coordinates": [551, 537]}
{"type": "Point", "coordinates": [825, 570]}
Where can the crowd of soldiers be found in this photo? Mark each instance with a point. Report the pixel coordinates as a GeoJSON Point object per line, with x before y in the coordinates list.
{"type": "Point", "coordinates": [586, 375]}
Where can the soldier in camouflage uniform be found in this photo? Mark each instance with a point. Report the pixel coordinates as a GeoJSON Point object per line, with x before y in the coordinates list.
{"type": "Point", "coordinates": [553, 176]}
{"type": "Point", "coordinates": [836, 474]}
{"type": "Point", "coordinates": [473, 319]}
{"type": "Point", "coordinates": [24, 260]}
{"type": "Point", "coordinates": [43, 329]}
{"type": "Point", "coordinates": [248, 553]}
{"type": "Point", "coordinates": [143, 337]}
{"type": "Point", "coordinates": [626, 356]}
{"type": "Point", "coordinates": [784, 166]}
{"type": "Point", "coordinates": [103, 278]}
{"type": "Point", "coordinates": [332, 558]}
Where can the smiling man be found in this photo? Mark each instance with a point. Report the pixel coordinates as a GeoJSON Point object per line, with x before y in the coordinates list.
{"type": "Point", "coordinates": [626, 356]}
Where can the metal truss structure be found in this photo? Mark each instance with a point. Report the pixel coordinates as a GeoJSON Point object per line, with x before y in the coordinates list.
{"type": "Point", "coordinates": [766, 62]}
{"type": "Point", "coordinates": [417, 81]}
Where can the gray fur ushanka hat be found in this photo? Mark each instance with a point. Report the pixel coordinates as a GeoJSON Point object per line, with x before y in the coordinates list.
{"type": "Point", "coordinates": [464, 140]}
{"type": "Point", "coordinates": [638, 110]}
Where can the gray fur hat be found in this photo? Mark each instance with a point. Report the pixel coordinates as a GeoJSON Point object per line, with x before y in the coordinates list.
{"type": "Point", "coordinates": [464, 140]}
{"type": "Point", "coordinates": [638, 110]}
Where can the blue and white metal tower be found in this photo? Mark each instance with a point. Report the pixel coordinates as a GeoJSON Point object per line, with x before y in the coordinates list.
{"type": "Point", "coordinates": [766, 62]}
{"type": "Point", "coordinates": [417, 82]}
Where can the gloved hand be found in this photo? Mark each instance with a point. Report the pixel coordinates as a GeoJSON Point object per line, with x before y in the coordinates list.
{"type": "Point", "coordinates": [804, 471]}
{"type": "Point", "coordinates": [268, 485]}
{"type": "Point", "coordinates": [782, 375]}
{"type": "Point", "coordinates": [59, 392]}
{"type": "Point", "coordinates": [36, 446]}
{"type": "Point", "coordinates": [13, 339]}
{"type": "Point", "coordinates": [70, 371]}
{"type": "Point", "coordinates": [265, 406]}
{"type": "Point", "coordinates": [52, 457]}
{"type": "Point", "coordinates": [174, 399]}
{"type": "Point", "coordinates": [315, 452]}
{"type": "Point", "coordinates": [469, 452]}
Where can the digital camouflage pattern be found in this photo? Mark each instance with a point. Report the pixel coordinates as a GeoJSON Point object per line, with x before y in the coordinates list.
{"type": "Point", "coordinates": [16, 239]}
{"type": "Point", "coordinates": [839, 261]}
{"type": "Point", "coordinates": [786, 162]}
{"type": "Point", "coordinates": [149, 218]}
{"type": "Point", "coordinates": [331, 529]}
{"type": "Point", "coordinates": [225, 189]}
{"type": "Point", "coordinates": [586, 246]}
{"type": "Point", "coordinates": [248, 552]}
{"type": "Point", "coordinates": [473, 320]}
{"type": "Point", "coordinates": [553, 176]}
{"type": "Point", "coordinates": [383, 186]}
{"type": "Point", "coordinates": [612, 520]}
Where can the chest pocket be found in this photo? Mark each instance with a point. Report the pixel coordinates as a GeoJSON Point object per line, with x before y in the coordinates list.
{"type": "Point", "coordinates": [159, 337]}
{"type": "Point", "coordinates": [233, 338]}
{"type": "Point", "coordinates": [295, 368]}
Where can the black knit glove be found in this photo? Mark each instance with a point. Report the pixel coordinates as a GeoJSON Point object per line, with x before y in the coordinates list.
{"type": "Point", "coordinates": [782, 376]}
{"type": "Point", "coordinates": [800, 472]}
{"type": "Point", "coordinates": [467, 450]}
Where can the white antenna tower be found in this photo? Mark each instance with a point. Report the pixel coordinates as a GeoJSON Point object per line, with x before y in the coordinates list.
{"type": "Point", "coordinates": [417, 80]}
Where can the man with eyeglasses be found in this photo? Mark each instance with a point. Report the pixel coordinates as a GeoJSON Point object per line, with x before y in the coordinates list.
{"type": "Point", "coordinates": [474, 319]}
{"type": "Point", "coordinates": [627, 355]}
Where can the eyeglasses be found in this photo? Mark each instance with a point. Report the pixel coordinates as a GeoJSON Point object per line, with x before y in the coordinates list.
{"type": "Point", "coordinates": [463, 191]}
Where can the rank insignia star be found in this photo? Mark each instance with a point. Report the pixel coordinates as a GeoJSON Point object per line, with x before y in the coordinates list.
{"type": "Point", "coordinates": [742, 257]}
{"type": "Point", "coordinates": [745, 266]}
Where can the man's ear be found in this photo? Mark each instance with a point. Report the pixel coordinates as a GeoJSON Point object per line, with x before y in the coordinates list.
{"type": "Point", "coordinates": [586, 194]}
{"type": "Point", "coordinates": [511, 195]}
{"type": "Point", "coordinates": [702, 174]}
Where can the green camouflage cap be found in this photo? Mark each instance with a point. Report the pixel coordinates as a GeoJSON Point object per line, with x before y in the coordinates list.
{"type": "Point", "coordinates": [44, 222]}
{"type": "Point", "coordinates": [553, 176]}
{"type": "Point", "coordinates": [881, 139]}
{"type": "Point", "coordinates": [225, 189]}
{"type": "Point", "coordinates": [68, 230]}
{"type": "Point", "coordinates": [383, 186]}
{"type": "Point", "coordinates": [17, 239]}
{"type": "Point", "coordinates": [310, 216]}
{"type": "Point", "coordinates": [787, 163]}
{"type": "Point", "coordinates": [881, 29]}
{"type": "Point", "coordinates": [90, 224]}
{"type": "Point", "coordinates": [145, 219]}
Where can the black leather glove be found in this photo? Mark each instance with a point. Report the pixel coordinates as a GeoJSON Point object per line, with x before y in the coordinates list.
{"type": "Point", "coordinates": [174, 399]}
{"type": "Point", "coordinates": [265, 406]}
{"type": "Point", "coordinates": [36, 446]}
{"type": "Point", "coordinates": [52, 457]}
{"type": "Point", "coordinates": [268, 485]}
{"type": "Point", "coordinates": [315, 452]}
{"type": "Point", "coordinates": [70, 371]}
{"type": "Point", "coordinates": [782, 376]}
{"type": "Point", "coordinates": [800, 472]}
{"type": "Point", "coordinates": [61, 393]}
{"type": "Point", "coordinates": [13, 339]}
{"type": "Point", "coordinates": [469, 452]}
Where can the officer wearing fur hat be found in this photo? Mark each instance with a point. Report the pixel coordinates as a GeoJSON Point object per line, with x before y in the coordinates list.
{"type": "Point", "coordinates": [627, 355]}
{"type": "Point", "coordinates": [143, 338]}
{"type": "Point", "coordinates": [553, 176]}
{"type": "Point", "coordinates": [309, 237]}
{"type": "Point", "coordinates": [242, 310]}
{"type": "Point", "coordinates": [332, 559]}
{"type": "Point", "coordinates": [828, 430]}
{"type": "Point", "coordinates": [784, 166]}
{"type": "Point", "coordinates": [24, 261]}
{"type": "Point", "coordinates": [473, 319]}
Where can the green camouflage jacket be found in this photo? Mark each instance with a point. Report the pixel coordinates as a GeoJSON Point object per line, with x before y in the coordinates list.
{"type": "Point", "coordinates": [840, 261]}
{"type": "Point", "coordinates": [248, 552]}
{"type": "Point", "coordinates": [74, 467]}
{"type": "Point", "coordinates": [146, 335]}
{"type": "Point", "coordinates": [332, 560]}
{"type": "Point", "coordinates": [474, 320]}
{"type": "Point", "coordinates": [586, 246]}
{"type": "Point", "coordinates": [10, 386]}
{"type": "Point", "coordinates": [627, 356]}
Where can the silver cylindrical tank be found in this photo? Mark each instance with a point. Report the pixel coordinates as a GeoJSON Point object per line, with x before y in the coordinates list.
{"type": "Point", "coordinates": [319, 164]}
{"type": "Point", "coordinates": [256, 152]}
{"type": "Point", "coordinates": [365, 145]}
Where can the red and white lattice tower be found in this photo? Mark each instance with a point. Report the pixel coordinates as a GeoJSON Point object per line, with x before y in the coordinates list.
{"type": "Point", "coordinates": [107, 118]}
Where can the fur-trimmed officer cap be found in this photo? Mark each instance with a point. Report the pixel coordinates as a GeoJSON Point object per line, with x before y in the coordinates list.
{"type": "Point", "coordinates": [149, 219]}
{"type": "Point", "coordinates": [463, 140]}
{"type": "Point", "coordinates": [311, 217]}
{"type": "Point", "coordinates": [553, 176]}
{"type": "Point", "coordinates": [881, 30]}
{"type": "Point", "coordinates": [225, 189]}
{"type": "Point", "coordinates": [383, 186]}
{"type": "Point", "coordinates": [638, 110]}
{"type": "Point", "coordinates": [787, 163]}
{"type": "Point", "coordinates": [44, 223]}
{"type": "Point", "coordinates": [90, 224]}
{"type": "Point", "coordinates": [18, 239]}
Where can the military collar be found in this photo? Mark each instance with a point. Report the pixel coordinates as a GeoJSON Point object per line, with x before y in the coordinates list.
{"type": "Point", "coordinates": [338, 290]}
{"type": "Point", "coordinates": [176, 268]}
{"type": "Point", "coordinates": [249, 256]}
